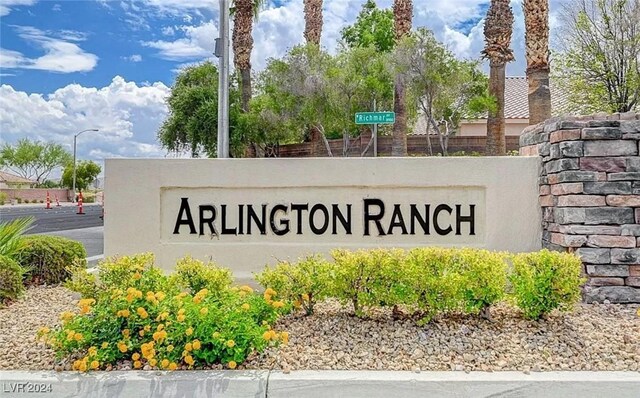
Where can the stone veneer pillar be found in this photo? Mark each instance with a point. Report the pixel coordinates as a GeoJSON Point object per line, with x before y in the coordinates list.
{"type": "Point", "coordinates": [590, 197]}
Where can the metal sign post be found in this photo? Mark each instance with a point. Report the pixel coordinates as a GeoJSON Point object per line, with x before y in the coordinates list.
{"type": "Point", "coordinates": [375, 118]}
{"type": "Point", "coordinates": [223, 81]}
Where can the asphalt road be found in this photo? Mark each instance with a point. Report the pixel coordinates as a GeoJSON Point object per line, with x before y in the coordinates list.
{"type": "Point", "coordinates": [55, 219]}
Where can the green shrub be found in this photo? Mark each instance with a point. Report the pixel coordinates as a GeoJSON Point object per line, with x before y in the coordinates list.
{"type": "Point", "coordinates": [436, 284]}
{"type": "Point", "coordinates": [3, 198]}
{"type": "Point", "coordinates": [49, 259]}
{"type": "Point", "coordinates": [164, 329]}
{"type": "Point", "coordinates": [11, 287]}
{"type": "Point", "coordinates": [139, 269]}
{"type": "Point", "coordinates": [11, 235]}
{"type": "Point", "coordinates": [544, 281]}
{"type": "Point", "coordinates": [370, 278]}
{"type": "Point", "coordinates": [83, 282]}
{"type": "Point", "coordinates": [484, 278]}
{"type": "Point", "coordinates": [195, 275]}
{"type": "Point", "coordinates": [303, 283]}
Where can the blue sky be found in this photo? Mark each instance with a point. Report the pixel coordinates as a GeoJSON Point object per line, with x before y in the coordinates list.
{"type": "Point", "coordinates": [66, 66]}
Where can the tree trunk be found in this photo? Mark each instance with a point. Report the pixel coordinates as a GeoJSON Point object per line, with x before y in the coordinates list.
{"type": "Point", "coordinates": [539, 96]}
{"type": "Point", "coordinates": [496, 143]}
{"type": "Point", "coordinates": [245, 83]}
{"type": "Point", "coordinates": [399, 141]}
{"type": "Point", "coordinates": [313, 21]}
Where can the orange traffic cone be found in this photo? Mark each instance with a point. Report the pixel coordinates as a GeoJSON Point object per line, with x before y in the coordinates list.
{"type": "Point", "coordinates": [80, 204]}
{"type": "Point", "coordinates": [48, 201]}
{"type": "Point", "coordinates": [57, 201]}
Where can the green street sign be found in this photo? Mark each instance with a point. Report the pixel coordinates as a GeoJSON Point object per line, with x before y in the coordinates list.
{"type": "Point", "coordinates": [375, 117]}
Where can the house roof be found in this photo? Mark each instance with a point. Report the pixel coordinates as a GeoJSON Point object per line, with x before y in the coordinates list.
{"type": "Point", "coordinates": [12, 178]}
{"type": "Point", "coordinates": [516, 98]}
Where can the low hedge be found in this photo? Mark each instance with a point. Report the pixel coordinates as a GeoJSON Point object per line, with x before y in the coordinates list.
{"type": "Point", "coordinates": [11, 287]}
{"type": "Point", "coordinates": [49, 259]}
{"type": "Point", "coordinates": [432, 281]}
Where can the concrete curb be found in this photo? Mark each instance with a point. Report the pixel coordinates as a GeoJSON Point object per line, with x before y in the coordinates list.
{"type": "Point", "coordinates": [325, 384]}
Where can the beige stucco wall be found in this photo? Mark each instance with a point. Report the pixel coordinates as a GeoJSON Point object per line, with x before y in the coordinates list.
{"type": "Point", "coordinates": [145, 198]}
{"type": "Point", "coordinates": [479, 127]}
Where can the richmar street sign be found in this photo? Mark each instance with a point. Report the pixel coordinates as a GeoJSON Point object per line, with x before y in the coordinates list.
{"type": "Point", "coordinates": [375, 117]}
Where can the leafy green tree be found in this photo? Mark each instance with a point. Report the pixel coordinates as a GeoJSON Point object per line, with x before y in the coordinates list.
{"type": "Point", "coordinates": [599, 65]}
{"type": "Point", "coordinates": [86, 172]}
{"type": "Point", "coordinates": [445, 89]}
{"type": "Point", "coordinates": [34, 160]}
{"type": "Point", "coordinates": [192, 123]}
{"type": "Point", "coordinates": [373, 27]}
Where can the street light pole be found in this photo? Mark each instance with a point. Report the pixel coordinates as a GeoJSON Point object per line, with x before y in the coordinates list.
{"type": "Point", "coordinates": [223, 81]}
{"type": "Point", "coordinates": [75, 139]}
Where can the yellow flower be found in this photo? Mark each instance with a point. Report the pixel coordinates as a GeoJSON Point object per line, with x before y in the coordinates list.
{"type": "Point", "coordinates": [203, 292]}
{"type": "Point", "coordinates": [197, 299]}
{"type": "Point", "coordinates": [305, 297]}
{"type": "Point", "coordinates": [204, 310]}
{"type": "Point", "coordinates": [173, 366]}
{"type": "Point", "coordinates": [137, 364]}
{"type": "Point", "coordinates": [142, 313]}
{"type": "Point", "coordinates": [189, 332]}
{"type": "Point", "coordinates": [123, 313]}
{"type": "Point", "coordinates": [44, 330]}
{"type": "Point", "coordinates": [162, 316]}
{"type": "Point", "coordinates": [231, 343]}
{"type": "Point", "coordinates": [270, 292]}
{"type": "Point", "coordinates": [160, 327]}
{"type": "Point", "coordinates": [122, 347]}
{"type": "Point", "coordinates": [82, 366]}
{"type": "Point", "coordinates": [232, 364]}
{"type": "Point", "coordinates": [135, 356]}
{"type": "Point", "coordinates": [164, 363]}
{"type": "Point", "coordinates": [188, 347]}
{"type": "Point", "coordinates": [104, 345]}
{"type": "Point", "coordinates": [189, 360]}
{"type": "Point", "coordinates": [278, 304]}
{"type": "Point", "coordinates": [77, 337]}
{"type": "Point", "coordinates": [297, 304]}
{"type": "Point", "coordinates": [157, 336]}
{"type": "Point", "coordinates": [153, 362]}
{"type": "Point", "coordinates": [285, 337]}
{"type": "Point", "coordinates": [147, 328]}
{"type": "Point", "coordinates": [246, 306]}
{"type": "Point", "coordinates": [196, 344]}
{"type": "Point", "coordinates": [160, 296]}
{"type": "Point", "coordinates": [246, 288]}
{"type": "Point", "coordinates": [181, 311]}
{"type": "Point", "coordinates": [215, 335]}
{"type": "Point", "coordinates": [126, 333]}
{"type": "Point", "coordinates": [141, 333]}
{"type": "Point", "coordinates": [95, 365]}
{"type": "Point", "coordinates": [66, 316]}
{"type": "Point", "coordinates": [85, 309]}
{"type": "Point", "coordinates": [93, 351]}
{"type": "Point", "coordinates": [169, 348]}
{"type": "Point", "coordinates": [180, 318]}
{"type": "Point", "coordinates": [267, 335]}
{"type": "Point", "coordinates": [137, 276]}
{"type": "Point", "coordinates": [182, 295]}
{"type": "Point", "coordinates": [86, 302]}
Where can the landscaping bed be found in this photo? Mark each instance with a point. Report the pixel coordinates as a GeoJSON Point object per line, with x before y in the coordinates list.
{"type": "Point", "coordinates": [592, 337]}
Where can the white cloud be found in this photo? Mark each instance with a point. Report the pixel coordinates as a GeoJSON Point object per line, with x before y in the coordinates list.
{"type": "Point", "coordinates": [5, 6]}
{"type": "Point", "coordinates": [133, 58]}
{"type": "Point", "coordinates": [128, 116]}
{"type": "Point", "coordinates": [198, 42]}
{"type": "Point", "coordinates": [168, 31]}
{"type": "Point", "coordinates": [60, 54]}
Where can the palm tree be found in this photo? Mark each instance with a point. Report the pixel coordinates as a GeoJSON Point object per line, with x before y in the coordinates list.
{"type": "Point", "coordinates": [402, 16]}
{"type": "Point", "coordinates": [313, 21]}
{"type": "Point", "coordinates": [536, 21]}
{"type": "Point", "coordinates": [244, 12]}
{"type": "Point", "coordinates": [498, 27]}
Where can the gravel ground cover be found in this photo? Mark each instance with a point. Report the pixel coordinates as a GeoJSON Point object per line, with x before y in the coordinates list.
{"type": "Point", "coordinates": [594, 337]}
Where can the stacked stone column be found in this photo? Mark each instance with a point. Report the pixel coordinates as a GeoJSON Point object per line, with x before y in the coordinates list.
{"type": "Point", "coordinates": [590, 197]}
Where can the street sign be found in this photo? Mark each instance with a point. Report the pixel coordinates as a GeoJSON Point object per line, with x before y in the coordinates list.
{"type": "Point", "coordinates": [375, 117]}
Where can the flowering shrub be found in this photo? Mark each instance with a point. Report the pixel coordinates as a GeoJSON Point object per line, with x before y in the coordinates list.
{"type": "Point", "coordinates": [195, 275]}
{"type": "Point", "coordinates": [150, 322]}
{"type": "Point", "coordinates": [303, 283]}
{"type": "Point", "coordinates": [544, 281]}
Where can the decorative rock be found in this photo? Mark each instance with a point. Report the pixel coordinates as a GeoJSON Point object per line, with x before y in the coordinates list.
{"type": "Point", "coordinates": [622, 187]}
{"type": "Point", "coordinates": [544, 190]}
{"type": "Point", "coordinates": [610, 148]}
{"type": "Point", "coordinates": [594, 256]}
{"type": "Point", "coordinates": [608, 270]}
{"type": "Point", "coordinates": [568, 240]}
{"type": "Point", "coordinates": [611, 241]}
{"type": "Point", "coordinates": [617, 294]}
{"type": "Point", "coordinates": [555, 166]}
{"type": "Point", "coordinates": [581, 201]}
{"type": "Point", "coordinates": [574, 176]}
{"type": "Point", "coordinates": [569, 215]}
{"type": "Point", "coordinates": [633, 164]}
{"type": "Point", "coordinates": [590, 229]}
{"type": "Point", "coordinates": [610, 165]}
{"type": "Point", "coordinates": [603, 123]}
{"type": "Point", "coordinates": [631, 176]}
{"type": "Point", "coordinates": [596, 281]}
{"type": "Point", "coordinates": [608, 215]}
{"type": "Point", "coordinates": [601, 133]}
{"type": "Point", "coordinates": [634, 270]}
{"type": "Point", "coordinates": [623, 200]}
{"type": "Point", "coordinates": [568, 188]}
{"type": "Point", "coordinates": [633, 281]}
{"type": "Point", "coordinates": [564, 135]}
{"type": "Point", "coordinates": [567, 149]}
{"type": "Point", "coordinates": [630, 230]}
{"type": "Point", "coordinates": [546, 200]}
{"type": "Point", "coordinates": [625, 256]}
{"type": "Point", "coordinates": [630, 126]}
